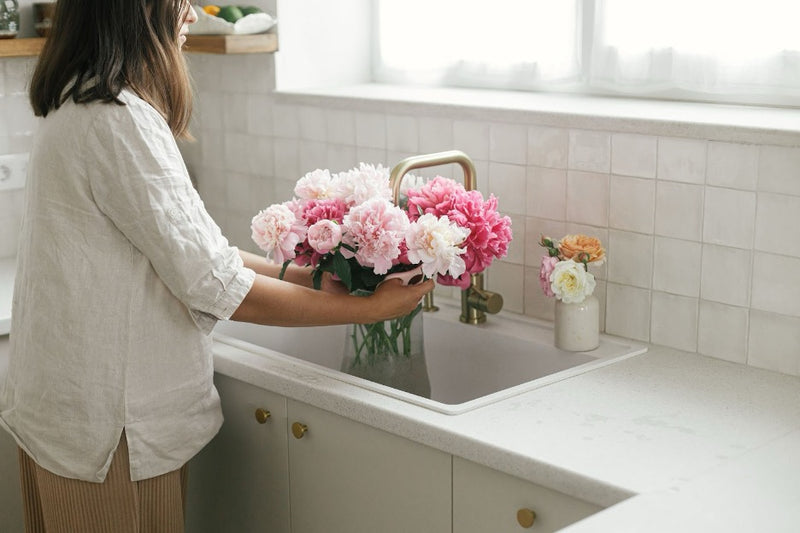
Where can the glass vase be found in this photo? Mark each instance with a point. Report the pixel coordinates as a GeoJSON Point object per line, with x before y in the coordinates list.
{"type": "Point", "coordinates": [391, 353]}
{"type": "Point", "coordinates": [577, 325]}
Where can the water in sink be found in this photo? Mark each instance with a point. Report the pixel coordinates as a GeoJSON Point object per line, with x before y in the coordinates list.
{"type": "Point", "coordinates": [468, 366]}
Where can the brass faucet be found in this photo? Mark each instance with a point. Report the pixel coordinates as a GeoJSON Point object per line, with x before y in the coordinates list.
{"type": "Point", "coordinates": [475, 300]}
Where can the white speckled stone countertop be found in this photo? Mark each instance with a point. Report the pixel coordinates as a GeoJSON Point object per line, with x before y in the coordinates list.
{"type": "Point", "coordinates": [659, 430]}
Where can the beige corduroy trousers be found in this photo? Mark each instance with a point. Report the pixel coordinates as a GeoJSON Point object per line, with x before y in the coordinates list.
{"type": "Point", "coordinates": [55, 504]}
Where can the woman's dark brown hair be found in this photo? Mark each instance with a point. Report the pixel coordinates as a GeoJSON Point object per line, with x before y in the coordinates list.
{"type": "Point", "coordinates": [96, 48]}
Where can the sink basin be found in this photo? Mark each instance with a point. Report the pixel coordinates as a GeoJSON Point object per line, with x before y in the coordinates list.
{"type": "Point", "coordinates": [468, 366]}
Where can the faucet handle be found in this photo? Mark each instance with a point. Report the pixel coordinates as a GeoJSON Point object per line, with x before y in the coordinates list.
{"type": "Point", "coordinates": [476, 301]}
{"type": "Point", "coordinates": [487, 301]}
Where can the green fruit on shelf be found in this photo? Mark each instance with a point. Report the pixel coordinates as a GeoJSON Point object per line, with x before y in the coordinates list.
{"type": "Point", "coordinates": [230, 13]}
{"type": "Point", "coordinates": [249, 10]}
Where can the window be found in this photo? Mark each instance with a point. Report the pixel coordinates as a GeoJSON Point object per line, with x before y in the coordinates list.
{"type": "Point", "coordinates": [710, 50]}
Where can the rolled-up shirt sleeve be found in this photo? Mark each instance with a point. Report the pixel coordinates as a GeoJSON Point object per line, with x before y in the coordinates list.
{"type": "Point", "coordinates": [140, 182]}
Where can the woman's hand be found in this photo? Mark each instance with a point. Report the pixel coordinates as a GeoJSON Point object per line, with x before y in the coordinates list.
{"type": "Point", "coordinates": [331, 285]}
{"type": "Point", "coordinates": [395, 299]}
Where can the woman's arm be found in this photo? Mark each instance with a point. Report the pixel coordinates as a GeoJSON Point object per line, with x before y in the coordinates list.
{"type": "Point", "coordinates": [294, 274]}
{"type": "Point", "coordinates": [278, 303]}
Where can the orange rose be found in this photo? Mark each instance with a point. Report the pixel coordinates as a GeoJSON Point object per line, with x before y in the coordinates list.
{"type": "Point", "coordinates": [582, 248]}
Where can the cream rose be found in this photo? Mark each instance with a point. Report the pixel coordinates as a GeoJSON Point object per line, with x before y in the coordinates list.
{"type": "Point", "coordinates": [570, 282]}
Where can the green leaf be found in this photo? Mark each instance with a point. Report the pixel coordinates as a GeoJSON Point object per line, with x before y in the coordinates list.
{"type": "Point", "coordinates": [316, 279]}
{"type": "Point", "coordinates": [342, 269]}
{"type": "Point", "coordinates": [283, 269]}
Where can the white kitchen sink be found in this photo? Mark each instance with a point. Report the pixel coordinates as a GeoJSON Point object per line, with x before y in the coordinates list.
{"type": "Point", "coordinates": [468, 366]}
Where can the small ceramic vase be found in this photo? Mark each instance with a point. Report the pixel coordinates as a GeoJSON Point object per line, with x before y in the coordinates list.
{"type": "Point", "coordinates": [577, 325]}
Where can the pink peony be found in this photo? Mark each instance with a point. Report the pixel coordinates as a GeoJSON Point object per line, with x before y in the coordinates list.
{"type": "Point", "coordinates": [435, 197]}
{"type": "Point", "coordinates": [489, 234]}
{"type": "Point", "coordinates": [277, 231]}
{"type": "Point", "coordinates": [311, 212]}
{"type": "Point", "coordinates": [375, 229]}
{"type": "Point", "coordinates": [324, 236]}
{"type": "Point", "coordinates": [548, 264]}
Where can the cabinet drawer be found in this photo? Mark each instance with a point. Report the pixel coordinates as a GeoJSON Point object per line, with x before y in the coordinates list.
{"type": "Point", "coordinates": [240, 481]}
{"type": "Point", "coordinates": [347, 477]}
{"type": "Point", "coordinates": [485, 500]}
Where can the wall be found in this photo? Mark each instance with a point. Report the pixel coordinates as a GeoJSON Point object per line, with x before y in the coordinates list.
{"type": "Point", "coordinates": [702, 224]}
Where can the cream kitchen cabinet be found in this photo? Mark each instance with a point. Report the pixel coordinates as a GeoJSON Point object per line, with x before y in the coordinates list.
{"type": "Point", "coordinates": [485, 500]}
{"type": "Point", "coordinates": [336, 475]}
{"type": "Point", "coordinates": [240, 481]}
{"type": "Point", "coordinates": [347, 477]}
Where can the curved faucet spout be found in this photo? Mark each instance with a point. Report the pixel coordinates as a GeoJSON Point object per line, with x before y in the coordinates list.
{"type": "Point", "coordinates": [432, 160]}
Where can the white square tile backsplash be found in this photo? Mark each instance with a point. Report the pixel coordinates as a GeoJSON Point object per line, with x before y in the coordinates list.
{"type": "Point", "coordinates": [681, 160]}
{"type": "Point", "coordinates": [587, 198]}
{"type": "Point", "coordinates": [508, 143]}
{"type": "Point", "coordinates": [732, 165]}
{"type": "Point", "coordinates": [701, 228]}
{"type": "Point", "coordinates": [548, 147]}
{"type": "Point", "coordinates": [722, 331]}
{"type": "Point", "coordinates": [729, 217]}
{"type": "Point", "coordinates": [630, 258]}
{"type": "Point", "coordinates": [779, 169]}
{"type": "Point", "coordinates": [633, 155]}
{"type": "Point", "coordinates": [676, 266]}
{"type": "Point", "coordinates": [679, 210]}
{"type": "Point", "coordinates": [547, 193]}
{"type": "Point", "coordinates": [590, 151]}
{"type": "Point", "coordinates": [725, 275]}
{"type": "Point", "coordinates": [778, 211]}
{"type": "Point", "coordinates": [673, 321]}
{"type": "Point", "coordinates": [472, 137]}
{"type": "Point", "coordinates": [632, 204]}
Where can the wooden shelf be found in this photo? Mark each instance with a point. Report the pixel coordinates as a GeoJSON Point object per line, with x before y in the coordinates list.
{"type": "Point", "coordinates": [232, 44]}
{"type": "Point", "coordinates": [21, 47]}
{"type": "Point", "coordinates": [209, 44]}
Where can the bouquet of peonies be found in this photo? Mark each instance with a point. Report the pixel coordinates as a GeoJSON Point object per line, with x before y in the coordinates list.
{"type": "Point", "coordinates": [346, 224]}
{"type": "Point", "coordinates": [564, 272]}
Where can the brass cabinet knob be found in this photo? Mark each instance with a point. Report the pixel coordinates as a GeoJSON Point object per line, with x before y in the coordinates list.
{"type": "Point", "coordinates": [526, 517]}
{"type": "Point", "coordinates": [298, 430]}
{"type": "Point", "coordinates": [262, 415]}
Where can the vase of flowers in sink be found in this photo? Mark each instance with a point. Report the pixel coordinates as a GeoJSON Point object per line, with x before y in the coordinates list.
{"type": "Point", "coordinates": [564, 275]}
{"type": "Point", "coordinates": [347, 225]}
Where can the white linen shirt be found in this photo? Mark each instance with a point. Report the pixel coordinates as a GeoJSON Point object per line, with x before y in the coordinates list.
{"type": "Point", "coordinates": [121, 276]}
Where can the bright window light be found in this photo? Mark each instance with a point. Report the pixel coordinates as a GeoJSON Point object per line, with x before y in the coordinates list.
{"type": "Point", "coordinates": [418, 36]}
{"type": "Point", "coordinates": [708, 50]}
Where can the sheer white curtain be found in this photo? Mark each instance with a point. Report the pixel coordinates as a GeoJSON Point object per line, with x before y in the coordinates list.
{"type": "Point", "coordinates": [520, 44]}
{"type": "Point", "coordinates": [713, 50]}
{"type": "Point", "coordinates": [699, 49]}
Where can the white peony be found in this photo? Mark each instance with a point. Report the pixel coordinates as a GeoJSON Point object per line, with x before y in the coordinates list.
{"type": "Point", "coordinates": [358, 185]}
{"type": "Point", "coordinates": [570, 282]}
{"type": "Point", "coordinates": [410, 182]}
{"type": "Point", "coordinates": [314, 185]}
{"type": "Point", "coordinates": [435, 242]}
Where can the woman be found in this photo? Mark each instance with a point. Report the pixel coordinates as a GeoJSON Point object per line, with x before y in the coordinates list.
{"type": "Point", "coordinates": [121, 277]}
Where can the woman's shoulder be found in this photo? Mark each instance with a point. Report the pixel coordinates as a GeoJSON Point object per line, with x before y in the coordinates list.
{"type": "Point", "coordinates": [130, 113]}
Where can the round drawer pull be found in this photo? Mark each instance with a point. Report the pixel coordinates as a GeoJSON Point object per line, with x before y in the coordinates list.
{"type": "Point", "coordinates": [262, 415]}
{"type": "Point", "coordinates": [526, 517]}
{"type": "Point", "coordinates": [298, 430]}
